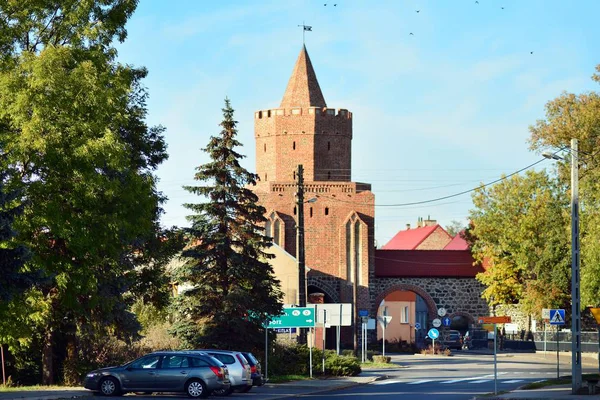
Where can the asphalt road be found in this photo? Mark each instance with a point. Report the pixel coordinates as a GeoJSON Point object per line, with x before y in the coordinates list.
{"type": "Point", "coordinates": [460, 377]}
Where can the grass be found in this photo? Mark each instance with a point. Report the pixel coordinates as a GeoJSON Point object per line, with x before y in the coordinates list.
{"type": "Point", "coordinates": [287, 378]}
{"type": "Point", "coordinates": [565, 380]}
{"type": "Point", "coordinates": [4, 388]}
{"type": "Point", "coordinates": [373, 365]}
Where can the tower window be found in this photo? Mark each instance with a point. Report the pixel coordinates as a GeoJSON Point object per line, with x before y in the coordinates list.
{"type": "Point", "coordinates": [328, 174]}
{"type": "Point", "coordinates": [266, 177]}
{"type": "Point", "coordinates": [326, 210]}
{"type": "Point", "coordinates": [294, 174]}
{"type": "Point", "coordinates": [265, 147]}
{"type": "Point", "coordinates": [294, 145]}
{"type": "Point", "coordinates": [295, 210]}
{"type": "Point", "coordinates": [328, 145]}
{"type": "Point", "coordinates": [311, 212]}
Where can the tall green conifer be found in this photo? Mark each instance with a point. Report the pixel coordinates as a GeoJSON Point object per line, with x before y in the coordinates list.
{"type": "Point", "coordinates": [232, 287]}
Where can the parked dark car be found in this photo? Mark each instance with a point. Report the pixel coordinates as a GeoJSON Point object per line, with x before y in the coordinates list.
{"type": "Point", "coordinates": [255, 369]}
{"type": "Point", "coordinates": [196, 374]}
{"type": "Point", "coordinates": [475, 338]}
{"type": "Point", "coordinates": [453, 340]}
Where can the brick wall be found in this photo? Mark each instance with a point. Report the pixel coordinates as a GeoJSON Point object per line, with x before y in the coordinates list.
{"type": "Point", "coordinates": [437, 240]}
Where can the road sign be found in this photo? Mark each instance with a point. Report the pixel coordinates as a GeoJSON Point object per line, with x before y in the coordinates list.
{"type": "Point", "coordinates": [364, 320]}
{"type": "Point", "coordinates": [285, 330]}
{"type": "Point", "coordinates": [436, 322]}
{"type": "Point", "coordinates": [494, 320]}
{"type": "Point", "coordinates": [557, 317]}
{"type": "Point", "coordinates": [363, 313]}
{"type": "Point", "coordinates": [417, 325]}
{"type": "Point", "coordinates": [433, 333]}
{"type": "Point", "coordinates": [446, 321]}
{"type": "Point", "coordinates": [596, 313]}
{"type": "Point", "coordinates": [384, 320]}
{"type": "Point", "coordinates": [296, 317]}
{"type": "Point", "coordinates": [545, 313]}
{"type": "Point", "coordinates": [441, 311]}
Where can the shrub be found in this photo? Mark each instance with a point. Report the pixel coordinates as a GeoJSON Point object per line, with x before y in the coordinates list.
{"type": "Point", "coordinates": [348, 353]}
{"type": "Point", "coordinates": [295, 360]}
{"type": "Point", "coordinates": [342, 366]}
{"type": "Point", "coordinates": [439, 350]}
{"type": "Point", "coordinates": [382, 359]}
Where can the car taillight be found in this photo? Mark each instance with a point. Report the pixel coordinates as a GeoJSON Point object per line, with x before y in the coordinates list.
{"type": "Point", "coordinates": [253, 369]}
{"type": "Point", "coordinates": [241, 360]}
{"type": "Point", "coordinates": [218, 371]}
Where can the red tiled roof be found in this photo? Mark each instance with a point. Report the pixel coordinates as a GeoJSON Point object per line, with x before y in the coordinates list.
{"type": "Point", "coordinates": [303, 89]}
{"type": "Point", "coordinates": [457, 243]}
{"type": "Point", "coordinates": [410, 238]}
{"type": "Point", "coordinates": [425, 263]}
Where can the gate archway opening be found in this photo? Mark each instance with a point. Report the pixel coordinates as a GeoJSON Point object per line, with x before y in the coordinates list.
{"type": "Point", "coordinates": [316, 295]}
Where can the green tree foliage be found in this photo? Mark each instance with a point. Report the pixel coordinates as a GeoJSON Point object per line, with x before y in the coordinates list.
{"type": "Point", "coordinates": [455, 227]}
{"type": "Point", "coordinates": [578, 116]}
{"type": "Point", "coordinates": [232, 287]}
{"type": "Point", "coordinates": [73, 122]}
{"type": "Point", "coordinates": [13, 279]}
{"type": "Point", "coordinates": [519, 231]}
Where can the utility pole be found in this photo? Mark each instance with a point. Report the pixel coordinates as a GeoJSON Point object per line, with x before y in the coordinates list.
{"type": "Point", "coordinates": [300, 256]}
{"type": "Point", "coordinates": [355, 301]}
{"type": "Point", "coordinates": [575, 283]}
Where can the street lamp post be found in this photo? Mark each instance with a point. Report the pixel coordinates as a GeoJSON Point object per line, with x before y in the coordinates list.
{"type": "Point", "coordinates": [575, 264]}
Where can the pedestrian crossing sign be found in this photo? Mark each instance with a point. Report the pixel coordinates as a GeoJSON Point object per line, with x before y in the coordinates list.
{"type": "Point", "coordinates": [557, 317]}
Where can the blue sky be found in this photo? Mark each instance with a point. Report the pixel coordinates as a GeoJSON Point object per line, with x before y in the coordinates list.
{"type": "Point", "coordinates": [435, 113]}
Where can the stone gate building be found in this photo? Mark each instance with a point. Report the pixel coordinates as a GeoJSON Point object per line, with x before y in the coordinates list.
{"type": "Point", "coordinates": [339, 225]}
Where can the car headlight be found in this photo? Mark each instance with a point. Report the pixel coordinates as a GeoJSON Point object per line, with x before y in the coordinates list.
{"type": "Point", "coordinates": [93, 375]}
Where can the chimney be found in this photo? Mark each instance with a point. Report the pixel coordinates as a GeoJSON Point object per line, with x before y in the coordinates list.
{"type": "Point", "coordinates": [429, 221]}
{"type": "Point", "coordinates": [407, 226]}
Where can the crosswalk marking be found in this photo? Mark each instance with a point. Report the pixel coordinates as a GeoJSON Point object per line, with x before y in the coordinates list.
{"type": "Point", "coordinates": [513, 381]}
{"type": "Point", "coordinates": [481, 381]}
{"type": "Point", "coordinates": [419, 382]}
{"type": "Point", "coordinates": [385, 382]}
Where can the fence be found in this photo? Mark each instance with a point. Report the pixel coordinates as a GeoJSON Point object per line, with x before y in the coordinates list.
{"type": "Point", "coordinates": [547, 341]}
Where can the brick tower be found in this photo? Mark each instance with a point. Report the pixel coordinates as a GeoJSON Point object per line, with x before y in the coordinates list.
{"type": "Point", "coordinates": [339, 234]}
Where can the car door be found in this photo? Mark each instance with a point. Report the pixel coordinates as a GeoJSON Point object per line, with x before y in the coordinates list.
{"type": "Point", "coordinates": [173, 372]}
{"type": "Point", "coordinates": [141, 373]}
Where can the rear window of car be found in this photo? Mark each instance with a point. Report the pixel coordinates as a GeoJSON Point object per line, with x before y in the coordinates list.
{"type": "Point", "coordinates": [224, 358]}
{"type": "Point", "coordinates": [250, 358]}
{"type": "Point", "coordinates": [198, 362]}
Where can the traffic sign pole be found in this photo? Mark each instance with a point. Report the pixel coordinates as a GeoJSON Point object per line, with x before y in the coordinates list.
{"type": "Point", "coordinates": [495, 362]}
{"type": "Point", "coordinates": [384, 326]}
{"type": "Point", "coordinates": [557, 356]}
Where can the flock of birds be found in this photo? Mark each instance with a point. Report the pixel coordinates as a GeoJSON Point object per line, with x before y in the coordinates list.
{"type": "Point", "coordinates": [418, 11]}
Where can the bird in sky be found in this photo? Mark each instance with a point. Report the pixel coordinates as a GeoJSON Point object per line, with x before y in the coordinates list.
{"type": "Point", "coordinates": [412, 34]}
{"type": "Point", "coordinates": [335, 5]}
{"type": "Point", "coordinates": [476, 2]}
{"type": "Point", "coordinates": [417, 11]}
{"type": "Point", "coordinates": [531, 52]}
{"type": "Point", "coordinates": [502, 8]}
{"type": "Point", "coordinates": [325, 4]}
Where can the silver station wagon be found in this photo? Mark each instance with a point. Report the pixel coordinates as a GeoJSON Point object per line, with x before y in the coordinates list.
{"type": "Point", "coordinates": [195, 373]}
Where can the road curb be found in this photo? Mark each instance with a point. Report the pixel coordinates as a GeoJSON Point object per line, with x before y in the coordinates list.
{"type": "Point", "coordinates": [329, 389]}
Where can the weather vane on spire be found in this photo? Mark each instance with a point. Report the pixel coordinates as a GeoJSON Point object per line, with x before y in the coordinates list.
{"type": "Point", "coordinates": [304, 29]}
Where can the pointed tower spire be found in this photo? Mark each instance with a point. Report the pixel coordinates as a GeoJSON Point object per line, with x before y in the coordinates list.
{"type": "Point", "coordinates": [303, 89]}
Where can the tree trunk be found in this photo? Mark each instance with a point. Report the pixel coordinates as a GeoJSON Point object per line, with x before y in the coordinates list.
{"type": "Point", "coordinates": [48, 358]}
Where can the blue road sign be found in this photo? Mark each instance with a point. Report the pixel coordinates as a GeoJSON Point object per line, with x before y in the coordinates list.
{"type": "Point", "coordinates": [557, 317]}
{"type": "Point", "coordinates": [285, 330]}
{"type": "Point", "coordinates": [417, 325]}
{"type": "Point", "coordinates": [363, 313]}
{"type": "Point", "coordinates": [446, 321]}
{"type": "Point", "coordinates": [433, 333]}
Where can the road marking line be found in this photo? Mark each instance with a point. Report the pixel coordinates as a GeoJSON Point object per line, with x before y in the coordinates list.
{"type": "Point", "coordinates": [513, 381]}
{"type": "Point", "coordinates": [385, 382]}
{"type": "Point", "coordinates": [419, 382]}
{"type": "Point", "coordinates": [481, 381]}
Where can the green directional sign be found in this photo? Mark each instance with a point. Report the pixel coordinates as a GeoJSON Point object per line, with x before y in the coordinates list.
{"type": "Point", "coordinates": [294, 317]}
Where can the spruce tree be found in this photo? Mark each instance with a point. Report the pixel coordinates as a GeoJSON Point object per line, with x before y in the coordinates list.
{"type": "Point", "coordinates": [232, 287]}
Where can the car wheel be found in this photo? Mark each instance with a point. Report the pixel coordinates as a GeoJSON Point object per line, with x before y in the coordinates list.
{"type": "Point", "coordinates": [109, 386]}
{"type": "Point", "coordinates": [222, 392]}
{"type": "Point", "coordinates": [196, 389]}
